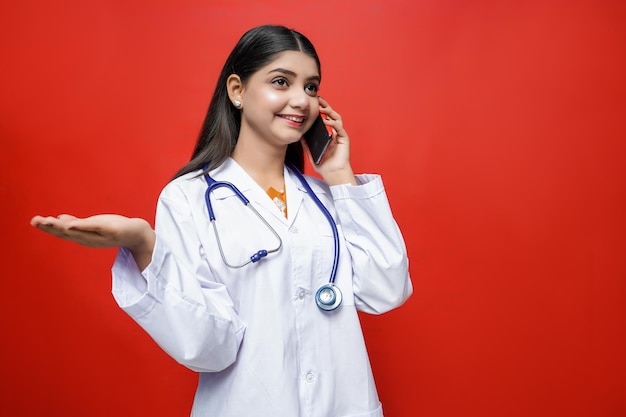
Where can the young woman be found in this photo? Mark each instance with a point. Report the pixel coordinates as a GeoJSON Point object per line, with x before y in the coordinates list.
{"type": "Point", "coordinates": [279, 335]}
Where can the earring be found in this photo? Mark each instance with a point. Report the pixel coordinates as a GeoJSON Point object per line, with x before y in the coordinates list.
{"type": "Point", "coordinates": [237, 103]}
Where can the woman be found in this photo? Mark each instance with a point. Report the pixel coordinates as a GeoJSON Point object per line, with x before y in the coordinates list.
{"type": "Point", "coordinates": [255, 332]}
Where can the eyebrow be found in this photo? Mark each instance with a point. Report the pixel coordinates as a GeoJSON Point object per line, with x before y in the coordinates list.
{"type": "Point", "coordinates": [292, 74]}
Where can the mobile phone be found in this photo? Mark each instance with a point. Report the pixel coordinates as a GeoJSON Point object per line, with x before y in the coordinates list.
{"type": "Point", "coordinates": [317, 139]}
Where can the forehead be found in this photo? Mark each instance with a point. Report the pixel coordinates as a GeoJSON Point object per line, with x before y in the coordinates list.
{"type": "Point", "coordinates": [295, 61]}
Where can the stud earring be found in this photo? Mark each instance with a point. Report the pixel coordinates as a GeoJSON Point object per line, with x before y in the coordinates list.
{"type": "Point", "coordinates": [237, 103]}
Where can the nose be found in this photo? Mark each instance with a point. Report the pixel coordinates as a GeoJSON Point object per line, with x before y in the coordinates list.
{"type": "Point", "coordinates": [300, 100]}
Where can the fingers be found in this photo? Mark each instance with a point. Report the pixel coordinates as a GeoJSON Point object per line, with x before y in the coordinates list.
{"type": "Point", "coordinates": [59, 226]}
{"type": "Point", "coordinates": [66, 217]}
{"type": "Point", "coordinates": [333, 119]}
{"type": "Point", "coordinates": [68, 227]}
{"type": "Point", "coordinates": [326, 109]}
{"type": "Point", "coordinates": [40, 221]}
{"type": "Point", "coordinates": [36, 221]}
{"type": "Point", "coordinates": [49, 221]}
{"type": "Point", "coordinates": [96, 223]}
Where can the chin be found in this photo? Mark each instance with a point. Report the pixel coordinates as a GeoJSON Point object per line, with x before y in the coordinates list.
{"type": "Point", "coordinates": [296, 139]}
{"type": "Point", "coordinates": [289, 139]}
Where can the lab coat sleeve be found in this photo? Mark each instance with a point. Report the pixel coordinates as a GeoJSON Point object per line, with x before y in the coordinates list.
{"type": "Point", "coordinates": [175, 298]}
{"type": "Point", "coordinates": [381, 279]}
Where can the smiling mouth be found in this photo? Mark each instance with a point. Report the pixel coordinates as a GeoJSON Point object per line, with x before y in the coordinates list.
{"type": "Point", "coordinates": [295, 119]}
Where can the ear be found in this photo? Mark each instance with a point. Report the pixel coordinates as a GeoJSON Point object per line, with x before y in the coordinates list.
{"type": "Point", "coordinates": [235, 87]}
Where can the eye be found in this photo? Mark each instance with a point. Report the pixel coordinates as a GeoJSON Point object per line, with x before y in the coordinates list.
{"type": "Point", "coordinates": [312, 89]}
{"type": "Point", "coordinates": [280, 82]}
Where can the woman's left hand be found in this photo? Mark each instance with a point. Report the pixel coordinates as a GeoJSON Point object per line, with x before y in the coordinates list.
{"type": "Point", "coordinates": [335, 166]}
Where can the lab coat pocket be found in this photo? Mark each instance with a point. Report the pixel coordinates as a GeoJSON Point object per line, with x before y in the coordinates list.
{"type": "Point", "coordinates": [374, 413]}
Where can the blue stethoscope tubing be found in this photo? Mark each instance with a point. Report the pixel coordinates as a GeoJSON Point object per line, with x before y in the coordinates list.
{"type": "Point", "coordinates": [213, 185]}
{"type": "Point", "coordinates": [328, 297]}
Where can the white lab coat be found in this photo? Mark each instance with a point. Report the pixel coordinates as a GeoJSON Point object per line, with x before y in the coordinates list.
{"type": "Point", "coordinates": [262, 346]}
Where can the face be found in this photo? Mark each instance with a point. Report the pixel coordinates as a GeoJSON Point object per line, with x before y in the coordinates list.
{"type": "Point", "coordinates": [280, 100]}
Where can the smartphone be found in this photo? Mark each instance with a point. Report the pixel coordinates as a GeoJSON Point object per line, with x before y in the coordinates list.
{"type": "Point", "coordinates": [318, 138]}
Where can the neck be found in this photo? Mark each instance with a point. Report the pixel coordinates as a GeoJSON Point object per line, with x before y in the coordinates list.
{"type": "Point", "coordinates": [265, 167]}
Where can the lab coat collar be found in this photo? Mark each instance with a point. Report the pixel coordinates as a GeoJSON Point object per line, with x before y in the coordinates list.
{"type": "Point", "coordinates": [296, 192]}
{"type": "Point", "coordinates": [232, 172]}
{"type": "Point", "coordinates": [315, 185]}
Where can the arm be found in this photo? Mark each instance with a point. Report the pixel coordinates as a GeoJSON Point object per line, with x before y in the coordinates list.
{"type": "Point", "coordinates": [379, 259]}
{"type": "Point", "coordinates": [176, 298]}
{"type": "Point", "coordinates": [162, 281]}
{"type": "Point", "coordinates": [381, 279]}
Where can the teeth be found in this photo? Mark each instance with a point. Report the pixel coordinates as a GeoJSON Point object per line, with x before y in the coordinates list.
{"type": "Point", "coordinates": [294, 119]}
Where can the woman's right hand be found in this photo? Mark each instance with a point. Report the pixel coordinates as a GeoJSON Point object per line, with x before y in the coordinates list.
{"type": "Point", "coordinates": [103, 231]}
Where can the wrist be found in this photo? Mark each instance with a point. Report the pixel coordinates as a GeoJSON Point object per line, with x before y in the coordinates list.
{"type": "Point", "coordinates": [340, 177]}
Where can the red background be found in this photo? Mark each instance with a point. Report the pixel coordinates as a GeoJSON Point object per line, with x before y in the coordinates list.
{"type": "Point", "coordinates": [499, 128]}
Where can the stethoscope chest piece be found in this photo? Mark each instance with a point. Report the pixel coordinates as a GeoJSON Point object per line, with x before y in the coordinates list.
{"type": "Point", "coordinates": [328, 297]}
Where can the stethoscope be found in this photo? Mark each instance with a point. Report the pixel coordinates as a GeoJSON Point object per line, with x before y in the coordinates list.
{"type": "Point", "coordinates": [328, 297]}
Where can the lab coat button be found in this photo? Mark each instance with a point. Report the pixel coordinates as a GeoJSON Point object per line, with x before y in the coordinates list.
{"type": "Point", "coordinates": [301, 294]}
{"type": "Point", "coordinates": [293, 229]}
{"type": "Point", "coordinates": [310, 377]}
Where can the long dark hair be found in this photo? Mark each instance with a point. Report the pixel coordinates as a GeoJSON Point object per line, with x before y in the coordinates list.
{"type": "Point", "coordinates": [220, 130]}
